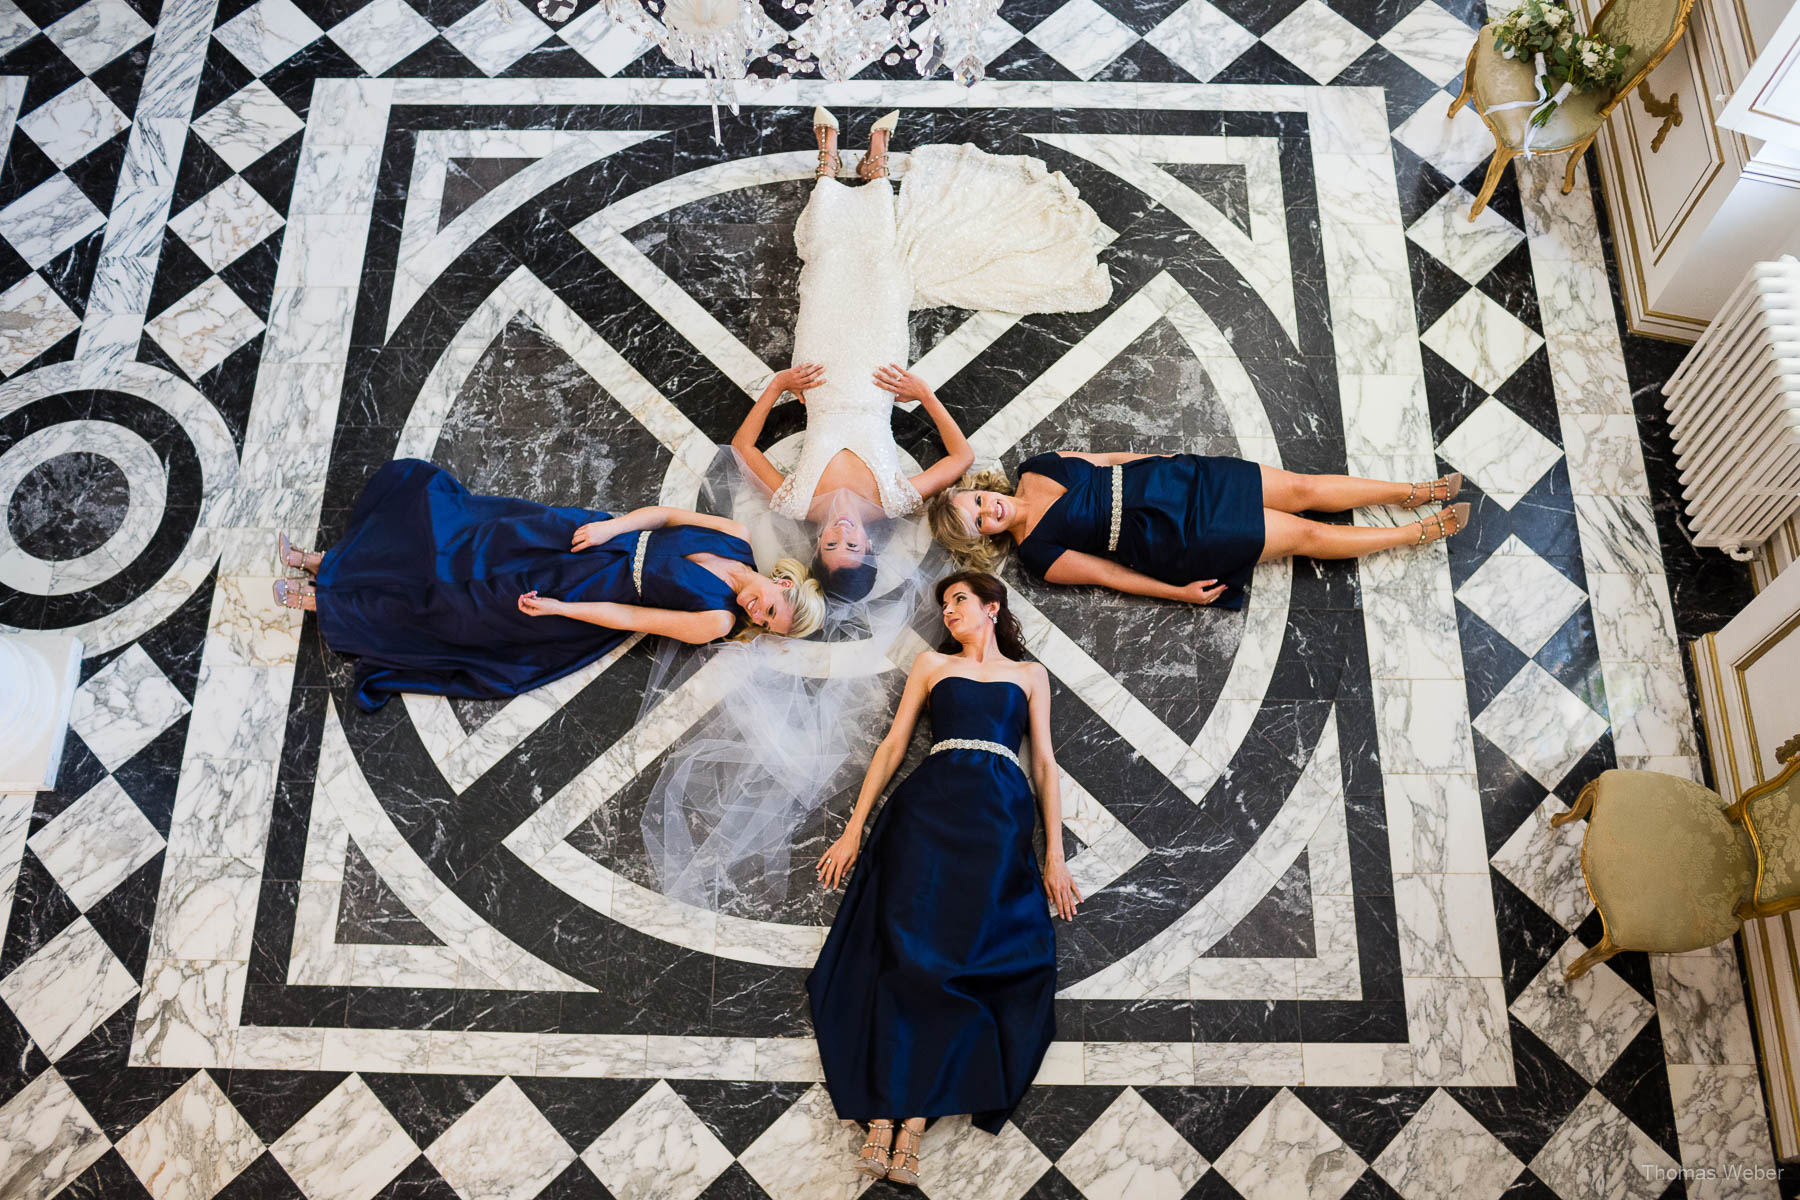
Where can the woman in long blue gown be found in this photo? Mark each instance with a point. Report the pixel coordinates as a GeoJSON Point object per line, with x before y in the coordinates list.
{"type": "Point", "coordinates": [1173, 526]}
{"type": "Point", "coordinates": [434, 589]}
{"type": "Point", "coordinates": [932, 994]}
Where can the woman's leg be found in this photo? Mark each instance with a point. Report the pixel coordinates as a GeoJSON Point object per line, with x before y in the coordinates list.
{"type": "Point", "coordinates": [1291, 492]}
{"type": "Point", "coordinates": [1285, 535]}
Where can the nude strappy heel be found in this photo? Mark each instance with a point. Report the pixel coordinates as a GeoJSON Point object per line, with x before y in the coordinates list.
{"type": "Point", "coordinates": [825, 127]}
{"type": "Point", "coordinates": [874, 162]}
{"type": "Point", "coordinates": [876, 1165]}
{"type": "Point", "coordinates": [904, 1173]}
{"type": "Point", "coordinates": [291, 593]}
{"type": "Point", "coordinates": [1426, 490]}
{"type": "Point", "coordinates": [1458, 520]}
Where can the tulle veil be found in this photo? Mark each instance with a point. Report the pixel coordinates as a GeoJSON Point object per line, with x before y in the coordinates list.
{"type": "Point", "coordinates": [786, 723]}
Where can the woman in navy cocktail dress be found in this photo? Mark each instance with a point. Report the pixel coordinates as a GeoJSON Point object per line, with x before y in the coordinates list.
{"type": "Point", "coordinates": [1172, 526]}
{"type": "Point", "coordinates": [434, 589]}
{"type": "Point", "coordinates": [932, 994]}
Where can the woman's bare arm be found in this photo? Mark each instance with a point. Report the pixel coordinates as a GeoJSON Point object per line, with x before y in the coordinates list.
{"type": "Point", "coordinates": [796, 379]}
{"type": "Point", "coordinates": [653, 516]}
{"type": "Point", "coordinates": [691, 627]}
{"type": "Point", "coordinates": [1048, 782]}
{"type": "Point", "coordinates": [835, 863]}
{"type": "Point", "coordinates": [959, 456]}
{"type": "Point", "coordinates": [1074, 567]}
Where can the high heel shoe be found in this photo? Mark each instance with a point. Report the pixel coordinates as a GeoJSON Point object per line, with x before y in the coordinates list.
{"type": "Point", "coordinates": [874, 162]}
{"type": "Point", "coordinates": [824, 123]}
{"type": "Point", "coordinates": [875, 1165]}
{"type": "Point", "coordinates": [904, 1164]}
{"type": "Point", "coordinates": [1452, 520]}
{"type": "Point", "coordinates": [291, 593]}
{"type": "Point", "coordinates": [1449, 485]}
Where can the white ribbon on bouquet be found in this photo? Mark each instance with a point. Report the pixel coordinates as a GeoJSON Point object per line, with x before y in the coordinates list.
{"type": "Point", "coordinates": [1541, 102]}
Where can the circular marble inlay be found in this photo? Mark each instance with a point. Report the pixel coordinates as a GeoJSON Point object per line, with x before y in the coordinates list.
{"type": "Point", "coordinates": [68, 506]}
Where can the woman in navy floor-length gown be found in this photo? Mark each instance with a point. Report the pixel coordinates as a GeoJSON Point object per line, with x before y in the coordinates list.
{"type": "Point", "coordinates": [932, 994]}
{"type": "Point", "coordinates": [1188, 527]}
{"type": "Point", "coordinates": [434, 589]}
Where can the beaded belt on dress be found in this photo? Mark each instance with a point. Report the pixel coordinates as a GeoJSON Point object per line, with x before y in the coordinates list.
{"type": "Point", "coordinates": [1118, 507]}
{"type": "Point", "coordinates": [975, 744]}
{"type": "Point", "coordinates": [637, 563]}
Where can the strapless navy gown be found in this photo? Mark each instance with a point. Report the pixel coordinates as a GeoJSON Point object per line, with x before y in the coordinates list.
{"type": "Point", "coordinates": [932, 994]}
{"type": "Point", "coordinates": [1184, 517]}
{"type": "Point", "coordinates": [423, 588]}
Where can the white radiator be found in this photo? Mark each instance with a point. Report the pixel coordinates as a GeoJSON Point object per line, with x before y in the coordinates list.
{"type": "Point", "coordinates": [1734, 404]}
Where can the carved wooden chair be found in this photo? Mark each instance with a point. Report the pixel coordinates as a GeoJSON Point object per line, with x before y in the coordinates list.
{"type": "Point", "coordinates": [1650, 27]}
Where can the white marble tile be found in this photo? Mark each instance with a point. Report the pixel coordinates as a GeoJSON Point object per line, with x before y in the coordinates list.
{"type": "Point", "coordinates": [679, 1057]}
{"type": "Point", "coordinates": [501, 1149]}
{"type": "Point", "coordinates": [380, 34]}
{"type": "Point", "coordinates": [1588, 1021]}
{"type": "Point", "coordinates": [267, 34]}
{"type": "Point", "coordinates": [192, 1145]}
{"type": "Point", "coordinates": [1618, 534]}
{"type": "Point", "coordinates": [1719, 1123]}
{"type": "Point", "coordinates": [1599, 1153]}
{"type": "Point", "coordinates": [47, 1139]}
{"type": "Point", "coordinates": [1454, 145]}
{"type": "Point", "coordinates": [1434, 824]}
{"type": "Point", "coordinates": [1287, 1152]}
{"type": "Point", "coordinates": [968, 1164]}
{"type": "Point", "coordinates": [805, 1153]}
{"type": "Point", "coordinates": [406, 1051]}
{"type": "Point", "coordinates": [1374, 336]}
{"type": "Point", "coordinates": [48, 219]}
{"type": "Point", "coordinates": [227, 221]}
{"type": "Point", "coordinates": [1317, 40]}
{"type": "Point", "coordinates": [1138, 1062]}
{"type": "Point", "coordinates": [123, 706]}
{"type": "Point", "coordinates": [1648, 703]}
{"type": "Point", "coordinates": [1446, 925]}
{"type": "Point", "coordinates": [205, 909]}
{"type": "Point", "coordinates": [67, 988]}
{"type": "Point", "coordinates": [1540, 724]}
{"type": "Point", "coordinates": [222, 808]}
{"type": "Point", "coordinates": [1633, 617]}
{"type": "Point", "coordinates": [1366, 261]}
{"type": "Point", "coordinates": [1482, 340]}
{"type": "Point", "coordinates": [605, 43]}
{"type": "Point", "coordinates": [247, 125]}
{"type": "Point", "coordinates": [1459, 1033]}
{"type": "Point", "coordinates": [1358, 1064]}
{"type": "Point", "coordinates": [1130, 1150]}
{"type": "Point", "coordinates": [1700, 1006]}
{"type": "Point", "coordinates": [1261, 1064]}
{"type": "Point", "coordinates": [74, 122]}
{"type": "Point", "coordinates": [1431, 42]}
{"type": "Point", "coordinates": [1544, 862]}
{"type": "Point", "coordinates": [15, 30]}
{"type": "Point", "coordinates": [1429, 720]}
{"type": "Point", "coordinates": [93, 845]}
{"type": "Point", "coordinates": [1083, 37]}
{"type": "Point", "coordinates": [1384, 414]}
{"type": "Point", "coordinates": [1444, 1152]}
{"type": "Point", "coordinates": [1499, 451]}
{"type": "Point", "coordinates": [97, 32]}
{"type": "Point", "coordinates": [657, 1150]}
{"type": "Point", "coordinates": [1470, 248]}
{"type": "Point", "coordinates": [348, 1147]}
{"type": "Point", "coordinates": [200, 330]}
{"type": "Point", "coordinates": [1412, 631]}
{"type": "Point", "coordinates": [35, 320]}
{"type": "Point", "coordinates": [1523, 597]}
{"type": "Point", "coordinates": [495, 39]}
{"type": "Point", "coordinates": [1200, 39]}
{"type": "Point", "coordinates": [15, 820]}
{"type": "Point", "coordinates": [1605, 456]}
{"type": "Point", "coordinates": [188, 1013]}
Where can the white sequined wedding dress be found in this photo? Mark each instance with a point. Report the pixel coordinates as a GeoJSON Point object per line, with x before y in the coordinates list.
{"type": "Point", "coordinates": [970, 230]}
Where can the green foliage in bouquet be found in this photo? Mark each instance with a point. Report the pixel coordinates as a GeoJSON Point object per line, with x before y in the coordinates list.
{"type": "Point", "coordinates": [1542, 27]}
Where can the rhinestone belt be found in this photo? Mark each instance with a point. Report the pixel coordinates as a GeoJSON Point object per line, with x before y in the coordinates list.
{"type": "Point", "coordinates": [637, 563]}
{"type": "Point", "coordinates": [1118, 508]}
{"type": "Point", "coordinates": [975, 744]}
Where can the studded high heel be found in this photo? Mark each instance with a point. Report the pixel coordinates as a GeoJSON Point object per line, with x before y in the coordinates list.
{"type": "Point", "coordinates": [874, 163]}
{"type": "Point", "coordinates": [291, 593]}
{"type": "Point", "coordinates": [904, 1164]}
{"type": "Point", "coordinates": [1427, 491]}
{"type": "Point", "coordinates": [1452, 520]}
{"type": "Point", "coordinates": [876, 1165]}
{"type": "Point", "coordinates": [825, 127]}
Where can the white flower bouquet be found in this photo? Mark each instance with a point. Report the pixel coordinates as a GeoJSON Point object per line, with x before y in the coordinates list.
{"type": "Point", "coordinates": [1566, 61]}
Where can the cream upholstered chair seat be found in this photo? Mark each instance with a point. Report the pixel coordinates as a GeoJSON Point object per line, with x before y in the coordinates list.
{"type": "Point", "coordinates": [1501, 80]}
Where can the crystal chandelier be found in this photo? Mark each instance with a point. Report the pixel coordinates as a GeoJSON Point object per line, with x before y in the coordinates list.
{"type": "Point", "coordinates": [725, 39]}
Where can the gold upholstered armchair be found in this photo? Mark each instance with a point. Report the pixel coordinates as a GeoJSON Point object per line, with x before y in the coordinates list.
{"type": "Point", "coordinates": [1650, 27]}
{"type": "Point", "coordinates": [1672, 868]}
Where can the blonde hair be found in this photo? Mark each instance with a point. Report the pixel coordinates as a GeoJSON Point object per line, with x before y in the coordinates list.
{"type": "Point", "coordinates": [807, 597]}
{"type": "Point", "coordinates": [971, 550]}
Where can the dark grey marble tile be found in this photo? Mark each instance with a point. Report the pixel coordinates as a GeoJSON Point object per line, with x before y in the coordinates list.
{"type": "Point", "coordinates": [369, 913]}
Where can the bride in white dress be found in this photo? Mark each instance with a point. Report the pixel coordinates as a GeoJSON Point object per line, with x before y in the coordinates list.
{"type": "Point", "coordinates": [969, 229]}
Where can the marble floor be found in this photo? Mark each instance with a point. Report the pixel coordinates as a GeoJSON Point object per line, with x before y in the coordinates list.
{"type": "Point", "coordinates": [258, 944]}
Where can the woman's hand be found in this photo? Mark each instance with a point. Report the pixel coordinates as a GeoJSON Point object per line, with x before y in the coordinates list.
{"type": "Point", "coordinates": [836, 862]}
{"type": "Point", "coordinates": [903, 383]}
{"type": "Point", "coordinates": [1202, 591]}
{"type": "Point", "coordinates": [1061, 888]}
{"type": "Point", "coordinates": [595, 533]}
{"type": "Point", "coordinates": [534, 605]}
{"type": "Point", "coordinates": [799, 379]}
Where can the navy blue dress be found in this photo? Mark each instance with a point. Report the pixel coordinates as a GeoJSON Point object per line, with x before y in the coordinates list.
{"type": "Point", "coordinates": [423, 588]}
{"type": "Point", "coordinates": [932, 994]}
{"type": "Point", "coordinates": [1184, 517]}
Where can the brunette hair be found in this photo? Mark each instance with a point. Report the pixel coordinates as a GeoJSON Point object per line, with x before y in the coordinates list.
{"type": "Point", "coordinates": [989, 590]}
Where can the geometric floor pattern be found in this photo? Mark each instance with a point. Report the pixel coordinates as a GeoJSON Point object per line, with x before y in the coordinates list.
{"type": "Point", "coordinates": [256, 945]}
